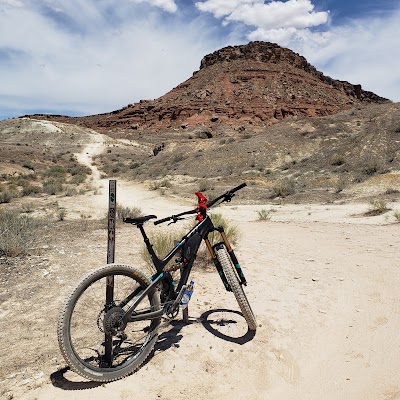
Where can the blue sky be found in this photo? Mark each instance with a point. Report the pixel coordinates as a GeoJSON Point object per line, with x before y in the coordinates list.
{"type": "Point", "coordinates": [80, 57]}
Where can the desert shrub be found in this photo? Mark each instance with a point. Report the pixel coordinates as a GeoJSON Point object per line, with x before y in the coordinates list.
{"type": "Point", "coordinates": [77, 179]}
{"type": "Point", "coordinates": [204, 135]}
{"type": "Point", "coordinates": [52, 187]}
{"type": "Point", "coordinates": [231, 231]}
{"type": "Point", "coordinates": [391, 191]}
{"type": "Point", "coordinates": [204, 185]}
{"type": "Point", "coordinates": [178, 158]}
{"type": "Point", "coordinates": [79, 170]}
{"type": "Point", "coordinates": [165, 183]}
{"type": "Point", "coordinates": [370, 168]}
{"type": "Point", "coordinates": [55, 172]}
{"type": "Point", "coordinates": [340, 184]}
{"type": "Point", "coordinates": [162, 243]}
{"type": "Point", "coordinates": [70, 192]}
{"type": "Point", "coordinates": [396, 214]}
{"type": "Point", "coordinates": [134, 165]}
{"type": "Point", "coordinates": [30, 189]}
{"type": "Point", "coordinates": [18, 233]}
{"type": "Point", "coordinates": [6, 196]}
{"type": "Point", "coordinates": [337, 160]}
{"type": "Point", "coordinates": [28, 165]}
{"type": "Point", "coordinates": [377, 207]}
{"type": "Point", "coordinates": [131, 212]}
{"type": "Point", "coordinates": [264, 215]}
{"type": "Point", "coordinates": [284, 187]}
{"type": "Point", "coordinates": [61, 213]}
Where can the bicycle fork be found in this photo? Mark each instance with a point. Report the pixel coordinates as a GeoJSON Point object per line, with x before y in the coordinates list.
{"type": "Point", "coordinates": [232, 255]}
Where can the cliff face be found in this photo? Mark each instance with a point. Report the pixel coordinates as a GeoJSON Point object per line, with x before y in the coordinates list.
{"type": "Point", "coordinates": [255, 83]}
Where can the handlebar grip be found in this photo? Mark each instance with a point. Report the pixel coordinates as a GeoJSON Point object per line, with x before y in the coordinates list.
{"type": "Point", "coordinates": [160, 221]}
{"type": "Point", "coordinates": [241, 186]}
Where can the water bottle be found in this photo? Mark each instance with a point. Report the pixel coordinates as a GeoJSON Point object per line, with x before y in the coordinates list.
{"type": "Point", "coordinates": [187, 295]}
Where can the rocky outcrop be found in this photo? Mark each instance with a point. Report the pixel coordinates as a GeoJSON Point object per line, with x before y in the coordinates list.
{"type": "Point", "coordinates": [255, 83]}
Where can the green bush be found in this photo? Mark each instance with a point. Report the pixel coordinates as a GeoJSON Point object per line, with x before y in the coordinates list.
{"type": "Point", "coordinates": [125, 212]}
{"type": "Point", "coordinates": [28, 165]}
{"type": "Point", "coordinates": [264, 215]}
{"type": "Point", "coordinates": [55, 171]}
{"type": "Point", "coordinates": [78, 179]}
{"type": "Point", "coordinates": [18, 233]}
{"type": "Point", "coordinates": [378, 206]}
{"type": "Point", "coordinates": [52, 187]}
{"type": "Point", "coordinates": [6, 196]}
{"type": "Point", "coordinates": [284, 187]}
{"type": "Point", "coordinates": [162, 243]}
{"type": "Point", "coordinates": [30, 189]}
{"type": "Point", "coordinates": [231, 231]}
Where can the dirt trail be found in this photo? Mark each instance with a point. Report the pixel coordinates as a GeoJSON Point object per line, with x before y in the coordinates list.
{"type": "Point", "coordinates": [128, 193]}
{"type": "Point", "coordinates": [323, 285]}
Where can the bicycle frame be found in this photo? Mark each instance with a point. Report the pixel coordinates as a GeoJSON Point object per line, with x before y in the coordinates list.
{"type": "Point", "coordinates": [202, 229]}
{"type": "Point", "coordinates": [162, 276]}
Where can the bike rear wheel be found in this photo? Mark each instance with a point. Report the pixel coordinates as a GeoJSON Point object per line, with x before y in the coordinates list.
{"type": "Point", "coordinates": [237, 289]}
{"type": "Point", "coordinates": [92, 338]}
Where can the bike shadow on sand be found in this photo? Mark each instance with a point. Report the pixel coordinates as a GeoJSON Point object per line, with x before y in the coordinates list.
{"type": "Point", "coordinates": [165, 341]}
{"type": "Point", "coordinates": [227, 325]}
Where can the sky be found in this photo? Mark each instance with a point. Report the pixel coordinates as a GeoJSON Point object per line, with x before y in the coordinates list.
{"type": "Point", "coordinates": [82, 57]}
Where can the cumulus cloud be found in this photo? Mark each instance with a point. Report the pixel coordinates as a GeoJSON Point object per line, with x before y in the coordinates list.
{"type": "Point", "coordinates": [273, 19]}
{"type": "Point", "coordinates": [167, 5]}
{"type": "Point", "coordinates": [362, 51]}
{"type": "Point", "coordinates": [88, 57]}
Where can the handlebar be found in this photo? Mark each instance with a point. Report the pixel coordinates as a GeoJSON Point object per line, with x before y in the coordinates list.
{"type": "Point", "coordinates": [227, 196]}
{"type": "Point", "coordinates": [174, 218]}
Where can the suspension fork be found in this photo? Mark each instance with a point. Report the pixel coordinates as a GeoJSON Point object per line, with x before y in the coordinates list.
{"type": "Point", "coordinates": [232, 255]}
{"type": "Point", "coordinates": [217, 264]}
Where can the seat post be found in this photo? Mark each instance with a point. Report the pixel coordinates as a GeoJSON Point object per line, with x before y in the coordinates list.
{"type": "Point", "coordinates": [149, 246]}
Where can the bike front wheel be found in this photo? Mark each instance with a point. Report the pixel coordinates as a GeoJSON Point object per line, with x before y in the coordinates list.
{"type": "Point", "coordinates": [92, 338]}
{"type": "Point", "coordinates": [237, 289]}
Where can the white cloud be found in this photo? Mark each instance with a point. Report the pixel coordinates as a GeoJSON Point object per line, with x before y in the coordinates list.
{"type": "Point", "coordinates": [167, 5]}
{"type": "Point", "coordinates": [93, 58]}
{"type": "Point", "coordinates": [90, 56]}
{"type": "Point", "coordinates": [298, 14]}
{"type": "Point", "coordinates": [361, 52]}
{"type": "Point", "coordinates": [222, 8]}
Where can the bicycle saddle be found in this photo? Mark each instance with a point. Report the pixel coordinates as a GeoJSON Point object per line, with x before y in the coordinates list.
{"type": "Point", "coordinates": [139, 220]}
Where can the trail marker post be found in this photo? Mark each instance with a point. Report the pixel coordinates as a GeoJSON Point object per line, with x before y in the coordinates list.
{"type": "Point", "coordinates": [112, 206]}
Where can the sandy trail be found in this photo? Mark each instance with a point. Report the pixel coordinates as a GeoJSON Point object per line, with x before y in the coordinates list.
{"type": "Point", "coordinates": [324, 287]}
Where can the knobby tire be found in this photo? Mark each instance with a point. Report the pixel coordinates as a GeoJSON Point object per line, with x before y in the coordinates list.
{"type": "Point", "coordinates": [84, 318]}
{"type": "Point", "coordinates": [237, 289]}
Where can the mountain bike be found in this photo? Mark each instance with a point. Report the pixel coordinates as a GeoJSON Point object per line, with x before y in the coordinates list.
{"type": "Point", "coordinates": [109, 323]}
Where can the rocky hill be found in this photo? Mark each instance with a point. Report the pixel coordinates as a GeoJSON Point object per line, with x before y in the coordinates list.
{"type": "Point", "coordinates": [257, 113]}
{"type": "Point", "coordinates": [258, 83]}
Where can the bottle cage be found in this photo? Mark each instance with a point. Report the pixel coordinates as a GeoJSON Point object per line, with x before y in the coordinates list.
{"type": "Point", "coordinates": [201, 207]}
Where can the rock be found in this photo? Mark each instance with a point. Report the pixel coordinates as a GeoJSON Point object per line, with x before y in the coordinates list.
{"type": "Point", "coordinates": [261, 75]}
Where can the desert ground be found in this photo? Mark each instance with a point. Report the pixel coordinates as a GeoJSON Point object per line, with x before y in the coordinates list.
{"type": "Point", "coordinates": [322, 281]}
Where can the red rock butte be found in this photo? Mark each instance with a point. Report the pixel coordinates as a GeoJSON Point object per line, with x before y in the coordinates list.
{"type": "Point", "coordinates": [258, 83]}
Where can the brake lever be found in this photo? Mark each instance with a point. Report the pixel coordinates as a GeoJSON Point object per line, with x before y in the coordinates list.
{"type": "Point", "coordinates": [175, 219]}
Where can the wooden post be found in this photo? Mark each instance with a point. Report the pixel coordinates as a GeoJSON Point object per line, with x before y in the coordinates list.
{"type": "Point", "coordinates": [112, 205]}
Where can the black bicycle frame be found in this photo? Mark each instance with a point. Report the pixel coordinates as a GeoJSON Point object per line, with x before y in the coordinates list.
{"type": "Point", "coordinates": [202, 229]}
